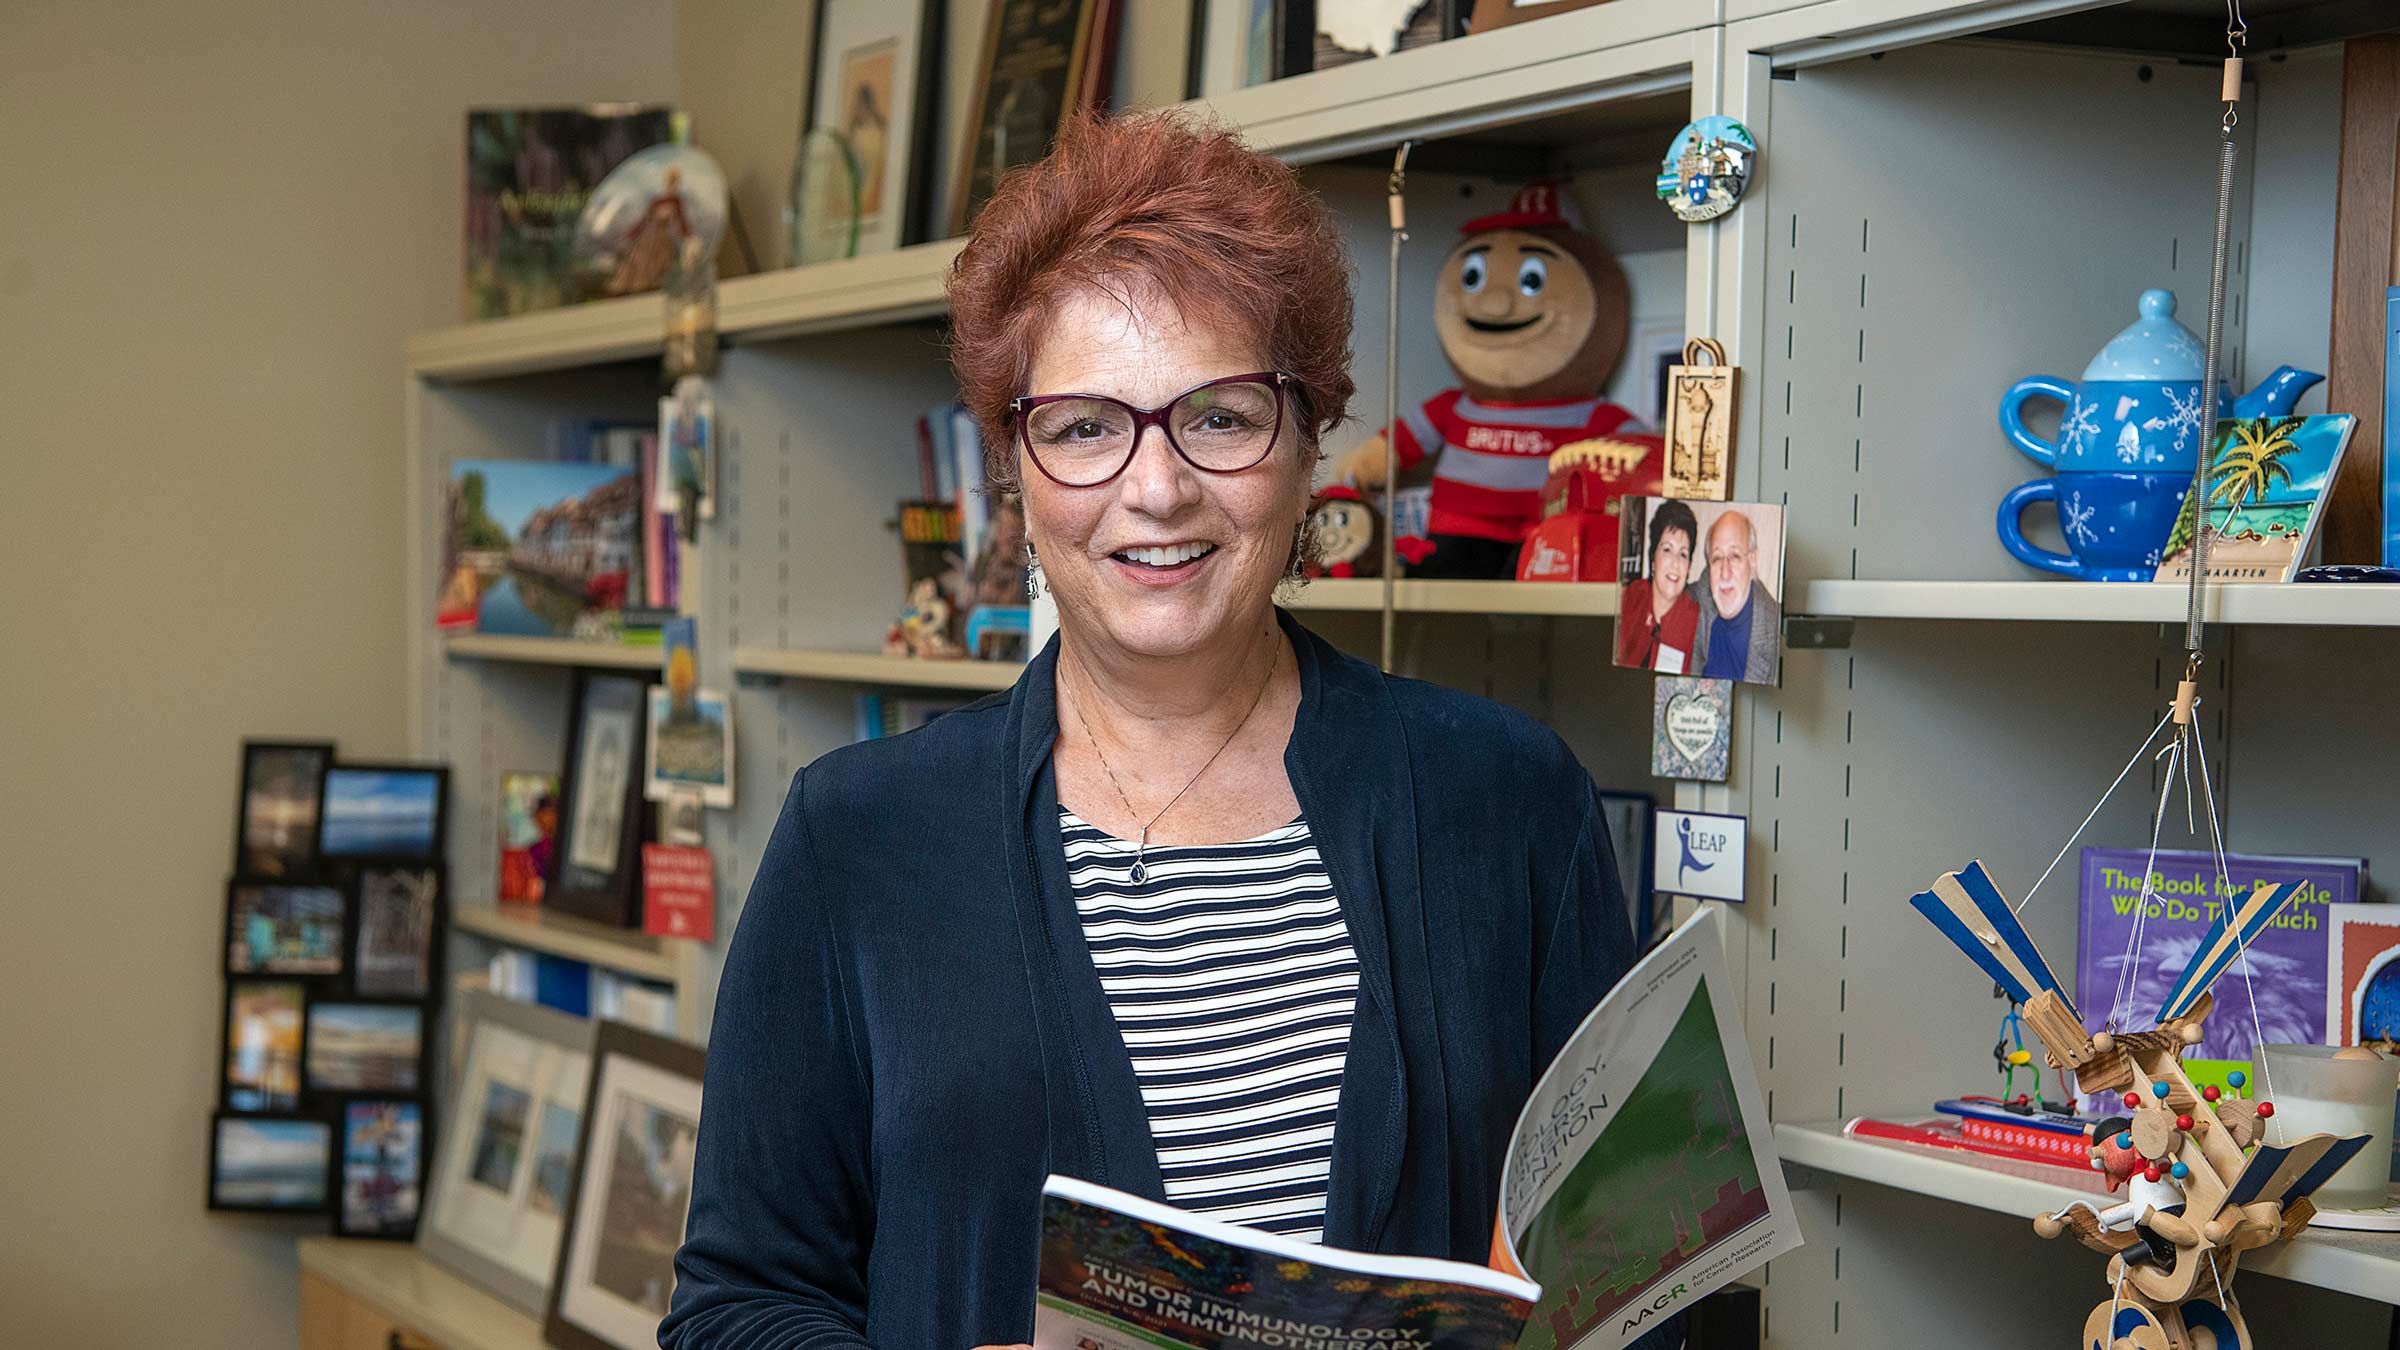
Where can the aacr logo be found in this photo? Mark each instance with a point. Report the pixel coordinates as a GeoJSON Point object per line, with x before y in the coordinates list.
{"type": "Point", "coordinates": [1657, 1306]}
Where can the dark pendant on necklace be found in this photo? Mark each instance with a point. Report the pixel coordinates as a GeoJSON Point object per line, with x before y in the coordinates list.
{"type": "Point", "coordinates": [1138, 872]}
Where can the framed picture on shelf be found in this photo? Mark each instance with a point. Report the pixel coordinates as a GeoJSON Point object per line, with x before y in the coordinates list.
{"type": "Point", "coordinates": [498, 1202]}
{"type": "Point", "coordinates": [283, 790]}
{"type": "Point", "coordinates": [279, 928]}
{"type": "Point", "coordinates": [266, 1031]}
{"type": "Point", "coordinates": [280, 1164]}
{"type": "Point", "coordinates": [399, 923]}
{"type": "Point", "coordinates": [600, 834]}
{"type": "Point", "coordinates": [1700, 588]}
{"type": "Point", "coordinates": [691, 746]}
{"type": "Point", "coordinates": [866, 129]}
{"type": "Point", "coordinates": [633, 1184]}
{"type": "Point", "coordinates": [368, 1046]}
{"type": "Point", "coordinates": [384, 811]}
{"type": "Point", "coordinates": [382, 1164]}
{"type": "Point", "coordinates": [1329, 33]}
{"type": "Point", "coordinates": [1042, 59]}
{"type": "Point", "coordinates": [528, 829]}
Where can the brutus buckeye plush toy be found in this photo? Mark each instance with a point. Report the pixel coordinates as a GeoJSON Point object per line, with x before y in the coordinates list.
{"type": "Point", "coordinates": [1531, 314]}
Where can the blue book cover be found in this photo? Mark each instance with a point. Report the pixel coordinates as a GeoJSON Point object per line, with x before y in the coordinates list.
{"type": "Point", "coordinates": [2286, 963]}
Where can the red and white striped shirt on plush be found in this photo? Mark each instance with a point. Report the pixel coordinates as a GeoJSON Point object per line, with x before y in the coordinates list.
{"type": "Point", "coordinates": [1496, 456]}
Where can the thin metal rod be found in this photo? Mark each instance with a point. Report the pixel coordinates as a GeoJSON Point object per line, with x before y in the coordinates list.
{"type": "Point", "coordinates": [1391, 398]}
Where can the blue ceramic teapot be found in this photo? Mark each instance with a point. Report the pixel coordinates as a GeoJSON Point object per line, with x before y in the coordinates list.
{"type": "Point", "coordinates": [2128, 442]}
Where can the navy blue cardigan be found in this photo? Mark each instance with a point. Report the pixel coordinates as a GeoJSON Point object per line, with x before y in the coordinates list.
{"type": "Point", "coordinates": [911, 1032]}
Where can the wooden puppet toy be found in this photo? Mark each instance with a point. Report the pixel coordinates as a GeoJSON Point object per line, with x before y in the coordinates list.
{"type": "Point", "coordinates": [1531, 313]}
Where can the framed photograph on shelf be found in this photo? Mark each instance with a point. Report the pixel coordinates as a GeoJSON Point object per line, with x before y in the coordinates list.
{"type": "Point", "coordinates": [1700, 588]}
{"type": "Point", "coordinates": [1042, 59]}
{"type": "Point", "coordinates": [399, 923]}
{"type": "Point", "coordinates": [368, 1046]}
{"type": "Point", "coordinates": [1329, 33]}
{"type": "Point", "coordinates": [866, 129]}
{"type": "Point", "coordinates": [382, 1165]}
{"type": "Point", "coordinates": [278, 928]}
{"type": "Point", "coordinates": [266, 1031]}
{"type": "Point", "coordinates": [598, 857]}
{"type": "Point", "coordinates": [633, 1184]}
{"type": "Point", "coordinates": [384, 811]}
{"type": "Point", "coordinates": [280, 1164]}
{"type": "Point", "coordinates": [283, 790]}
{"type": "Point", "coordinates": [498, 1202]}
{"type": "Point", "coordinates": [528, 829]}
{"type": "Point", "coordinates": [691, 747]}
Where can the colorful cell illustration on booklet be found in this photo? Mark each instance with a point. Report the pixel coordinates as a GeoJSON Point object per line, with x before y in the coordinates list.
{"type": "Point", "coordinates": [1672, 1179]}
{"type": "Point", "coordinates": [2266, 493]}
{"type": "Point", "coordinates": [1702, 588]}
{"type": "Point", "coordinates": [528, 834]}
{"type": "Point", "coordinates": [539, 549]}
{"type": "Point", "coordinates": [1107, 1273]}
{"type": "Point", "coordinates": [1531, 313]}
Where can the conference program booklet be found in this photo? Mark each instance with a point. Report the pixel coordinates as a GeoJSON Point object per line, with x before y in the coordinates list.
{"type": "Point", "coordinates": [1640, 1177]}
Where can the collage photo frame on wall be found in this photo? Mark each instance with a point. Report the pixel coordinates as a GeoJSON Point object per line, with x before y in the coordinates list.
{"type": "Point", "coordinates": [334, 915]}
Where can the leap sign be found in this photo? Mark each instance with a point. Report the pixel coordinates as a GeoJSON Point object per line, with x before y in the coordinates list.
{"type": "Point", "coordinates": [1700, 854]}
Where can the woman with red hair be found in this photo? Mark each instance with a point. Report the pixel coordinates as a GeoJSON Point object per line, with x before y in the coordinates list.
{"type": "Point", "coordinates": [1201, 909]}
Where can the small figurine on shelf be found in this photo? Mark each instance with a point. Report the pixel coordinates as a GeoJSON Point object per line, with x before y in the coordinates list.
{"type": "Point", "coordinates": [1345, 535]}
{"type": "Point", "coordinates": [923, 629]}
{"type": "Point", "coordinates": [1531, 313]}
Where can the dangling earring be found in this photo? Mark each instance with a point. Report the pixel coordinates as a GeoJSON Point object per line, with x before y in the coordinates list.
{"type": "Point", "coordinates": [1033, 572]}
{"type": "Point", "coordinates": [1298, 571]}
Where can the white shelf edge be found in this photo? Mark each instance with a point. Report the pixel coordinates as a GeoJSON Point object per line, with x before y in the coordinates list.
{"type": "Point", "coordinates": [2364, 1264]}
{"type": "Point", "coordinates": [1350, 594]}
{"type": "Point", "coordinates": [622, 950]}
{"type": "Point", "coordinates": [875, 668]}
{"type": "Point", "coordinates": [904, 283]}
{"type": "Point", "coordinates": [2357, 605]}
{"type": "Point", "coordinates": [552, 651]}
{"type": "Point", "coordinates": [397, 1281]}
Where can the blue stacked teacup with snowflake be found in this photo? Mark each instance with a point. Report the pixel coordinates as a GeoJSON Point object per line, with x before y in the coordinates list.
{"type": "Point", "coordinates": [2128, 442]}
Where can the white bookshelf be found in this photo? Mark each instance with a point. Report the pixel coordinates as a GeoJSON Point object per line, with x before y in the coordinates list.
{"type": "Point", "coordinates": [875, 668]}
{"type": "Point", "coordinates": [2364, 1264]}
{"type": "Point", "coordinates": [2336, 604]}
{"type": "Point", "coordinates": [551, 651]}
{"type": "Point", "coordinates": [539, 929]}
{"type": "Point", "coordinates": [394, 1280]}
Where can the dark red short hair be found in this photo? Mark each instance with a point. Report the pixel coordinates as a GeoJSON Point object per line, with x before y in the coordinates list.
{"type": "Point", "coordinates": [1161, 202]}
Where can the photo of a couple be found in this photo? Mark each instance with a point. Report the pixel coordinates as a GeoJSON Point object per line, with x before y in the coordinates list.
{"type": "Point", "coordinates": [1702, 588]}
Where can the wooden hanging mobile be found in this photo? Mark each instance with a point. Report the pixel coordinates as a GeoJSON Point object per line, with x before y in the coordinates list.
{"type": "Point", "coordinates": [2207, 1174]}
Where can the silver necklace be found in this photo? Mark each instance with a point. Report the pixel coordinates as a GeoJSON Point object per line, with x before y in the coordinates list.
{"type": "Point", "coordinates": [1141, 845]}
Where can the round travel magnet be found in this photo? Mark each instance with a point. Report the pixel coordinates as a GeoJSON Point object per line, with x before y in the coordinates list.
{"type": "Point", "coordinates": [1707, 168]}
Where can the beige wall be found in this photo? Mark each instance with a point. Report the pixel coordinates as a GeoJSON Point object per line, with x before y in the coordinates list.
{"type": "Point", "coordinates": [218, 224]}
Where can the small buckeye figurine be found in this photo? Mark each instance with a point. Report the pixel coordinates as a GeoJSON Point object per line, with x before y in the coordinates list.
{"type": "Point", "coordinates": [1531, 313]}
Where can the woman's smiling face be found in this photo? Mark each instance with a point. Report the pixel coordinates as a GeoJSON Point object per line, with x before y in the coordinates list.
{"type": "Point", "coordinates": [1670, 566]}
{"type": "Point", "coordinates": [1164, 559]}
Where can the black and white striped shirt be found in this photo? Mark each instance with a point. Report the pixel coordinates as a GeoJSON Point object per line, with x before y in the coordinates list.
{"type": "Point", "coordinates": [1231, 975]}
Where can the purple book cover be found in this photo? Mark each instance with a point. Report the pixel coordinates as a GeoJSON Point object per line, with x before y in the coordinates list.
{"type": "Point", "coordinates": [2286, 963]}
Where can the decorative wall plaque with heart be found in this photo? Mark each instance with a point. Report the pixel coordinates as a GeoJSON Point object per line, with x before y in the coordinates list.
{"type": "Point", "coordinates": [1691, 728]}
